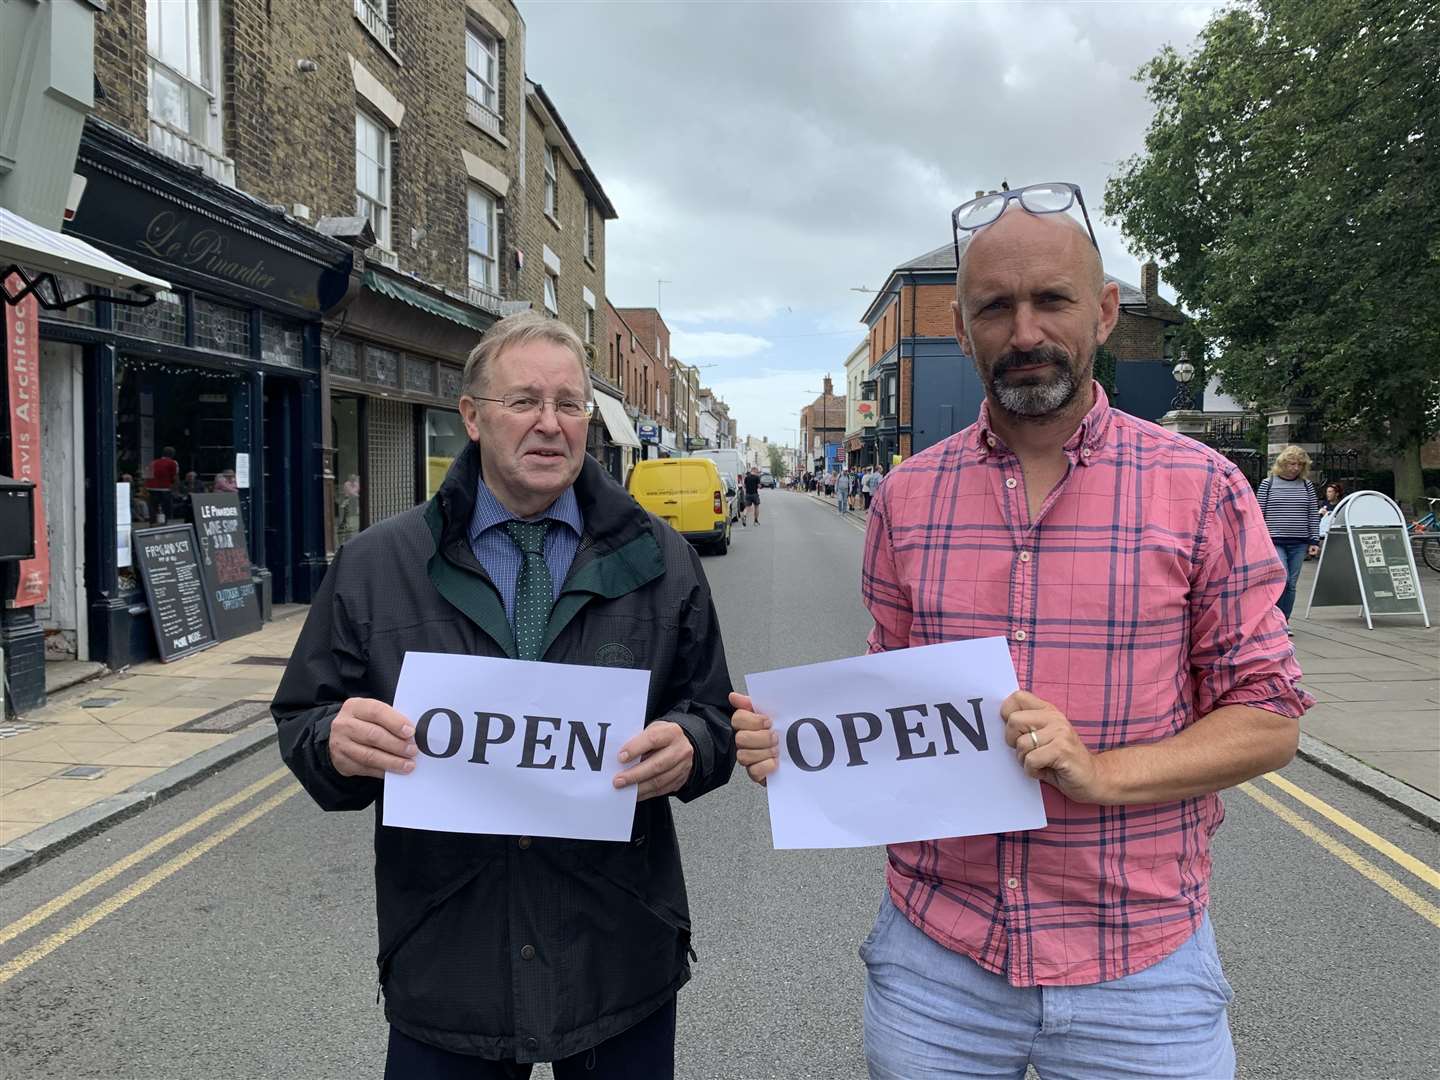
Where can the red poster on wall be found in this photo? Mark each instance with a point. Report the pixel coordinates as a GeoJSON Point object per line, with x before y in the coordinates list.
{"type": "Point", "coordinates": [22, 350]}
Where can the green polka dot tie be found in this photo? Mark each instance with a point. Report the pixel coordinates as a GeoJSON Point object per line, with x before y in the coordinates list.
{"type": "Point", "coordinates": [534, 591]}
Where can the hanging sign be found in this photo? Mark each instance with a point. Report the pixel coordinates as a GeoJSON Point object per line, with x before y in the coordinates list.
{"type": "Point", "coordinates": [22, 348]}
{"type": "Point", "coordinates": [225, 562]}
{"type": "Point", "coordinates": [1366, 560]}
{"type": "Point", "coordinates": [169, 564]}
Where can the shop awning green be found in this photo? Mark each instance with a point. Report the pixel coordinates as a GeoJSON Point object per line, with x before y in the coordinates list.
{"type": "Point", "coordinates": [396, 290]}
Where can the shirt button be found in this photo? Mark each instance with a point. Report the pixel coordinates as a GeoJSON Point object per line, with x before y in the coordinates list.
{"type": "Point", "coordinates": [1024, 556]}
{"type": "Point", "coordinates": [528, 952]}
{"type": "Point", "coordinates": [1020, 635]}
{"type": "Point", "coordinates": [1085, 452]}
{"type": "Point", "coordinates": [989, 440]}
{"type": "Point", "coordinates": [524, 842]}
{"type": "Point", "coordinates": [1010, 481]}
{"type": "Point", "coordinates": [532, 1043]}
{"type": "Point", "coordinates": [1012, 883]}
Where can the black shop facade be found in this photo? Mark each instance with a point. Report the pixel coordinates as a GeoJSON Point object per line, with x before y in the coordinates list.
{"type": "Point", "coordinates": [215, 387]}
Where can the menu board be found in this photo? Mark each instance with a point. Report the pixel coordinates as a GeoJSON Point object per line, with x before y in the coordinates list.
{"type": "Point", "coordinates": [1385, 571]}
{"type": "Point", "coordinates": [168, 559]}
{"type": "Point", "coordinates": [225, 563]}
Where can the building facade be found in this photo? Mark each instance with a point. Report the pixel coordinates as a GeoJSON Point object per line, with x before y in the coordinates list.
{"type": "Point", "coordinates": [343, 199]}
{"type": "Point", "coordinates": [822, 430]}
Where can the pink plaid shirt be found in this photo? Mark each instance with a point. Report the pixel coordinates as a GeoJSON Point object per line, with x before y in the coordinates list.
{"type": "Point", "coordinates": [1141, 597]}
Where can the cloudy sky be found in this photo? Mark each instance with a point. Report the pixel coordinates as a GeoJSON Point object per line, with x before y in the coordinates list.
{"type": "Point", "coordinates": [767, 159]}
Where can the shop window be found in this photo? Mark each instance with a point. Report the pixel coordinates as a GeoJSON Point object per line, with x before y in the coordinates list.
{"type": "Point", "coordinates": [222, 328]}
{"type": "Point", "coordinates": [163, 320]}
{"type": "Point", "coordinates": [178, 431]}
{"type": "Point", "coordinates": [419, 375]}
{"type": "Point", "coordinates": [444, 439]}
{"type": "Point", "coordinates": [344, 358]}
{"type": "Point", "coordinates": [345, 437]}
{"type": "Point", "coordinates": [282, 341]}
{"type": "Point", "coordinates": [382, 366]}
{"type": "Point", "coordinates": [451, 380]}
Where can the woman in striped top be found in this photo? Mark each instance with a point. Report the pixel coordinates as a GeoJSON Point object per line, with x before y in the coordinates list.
{"type": "Point", "coordinates": [1292, 514]}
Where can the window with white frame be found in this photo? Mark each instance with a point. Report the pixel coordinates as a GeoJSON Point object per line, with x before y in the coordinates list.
{"type": "Point", "coordinates": [552, 294]}
{"type": "Point", "coordinates": [482, 68]}
{"type": "Point", "coordinates": [374, 15]}
{"type": "Point", "coordinates": [180, 37]}
{"type": "Point", "coordinates": [372, 174]}
{"type": "Point", "coordinates": [482, 240]}
{"type": "Point", "coordinates": [552, 182]}
{"type": "Point", "coordinates": [589, 324]}
{"type": "Point", "coordinates": [589, 230]}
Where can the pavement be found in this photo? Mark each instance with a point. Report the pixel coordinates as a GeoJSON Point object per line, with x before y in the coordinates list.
{"type": "Point", "coordinates": [102, 750]}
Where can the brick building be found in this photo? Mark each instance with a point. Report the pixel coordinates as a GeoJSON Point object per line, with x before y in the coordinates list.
{"type": "Point", "coordinates": [927, 389]}
{"type": "Point", "coordinates": [822, 430]}
{"type": "Point", "coordinates": [344, 196]}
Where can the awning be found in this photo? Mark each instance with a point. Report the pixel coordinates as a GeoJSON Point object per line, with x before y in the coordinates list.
{"type": "Point", "coordinates": [395, 290]}
{"type": "Point", "coordinates": [33, 252]}
{"type": "Point", "coordinates": [622, 432]}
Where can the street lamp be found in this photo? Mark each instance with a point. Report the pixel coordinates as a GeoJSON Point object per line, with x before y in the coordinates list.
{"type": "Point", "coordinates": [1183, 372]}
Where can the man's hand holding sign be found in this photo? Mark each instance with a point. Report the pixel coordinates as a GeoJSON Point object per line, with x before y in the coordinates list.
{"type": "Point", "coordinates": [887, 748]}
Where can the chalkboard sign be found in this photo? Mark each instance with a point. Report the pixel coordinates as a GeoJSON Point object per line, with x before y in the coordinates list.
{"type": "Point", "coordinates": [1367, 560]}
{"type": "Point", "coordinates": [225, 563]}
{"type": "Point", "coordinates": [169, 562]}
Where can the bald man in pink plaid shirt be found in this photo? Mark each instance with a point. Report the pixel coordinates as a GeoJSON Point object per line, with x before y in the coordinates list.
{"type": "Point", "coordinates": [1132, 574]}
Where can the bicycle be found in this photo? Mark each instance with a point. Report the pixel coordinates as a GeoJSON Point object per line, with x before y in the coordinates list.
{"type": "Point", "coordinates": [1425, 535]}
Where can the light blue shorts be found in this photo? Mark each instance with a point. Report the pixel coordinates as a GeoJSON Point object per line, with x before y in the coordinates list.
{"type": "Point", "coordinates": [931, 1012]}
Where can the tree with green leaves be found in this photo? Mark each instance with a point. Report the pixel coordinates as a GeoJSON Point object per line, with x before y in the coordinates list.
{"type": "Point", "coordinates": [778, 468]}
{"type": "Point", "coordinates": [1291, 186]}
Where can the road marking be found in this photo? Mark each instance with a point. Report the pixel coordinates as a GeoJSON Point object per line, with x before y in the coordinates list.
{"type": "Point", "coordinates": [108, 907]}
{"type": "Point", "coordinates": [1396, 855]}
{"type": "Point", "coordinates": [1360, 864]}
{"type": "Point", "coordinates": [90, 884]}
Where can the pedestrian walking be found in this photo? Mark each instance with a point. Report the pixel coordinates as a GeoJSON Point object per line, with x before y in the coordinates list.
{"type": "Point", "coordinates": [1292, 517]}
{"type": "Point", "coordinates": [1155, 672]}
{"type": "Point", "coordinates": [752, 494]}
{"type": "Point", "coordinates": [842, 491]}
{"type": "Point", "coordinates": [499, 951]}
{"type": "Point", "coordinates": [872, 481]}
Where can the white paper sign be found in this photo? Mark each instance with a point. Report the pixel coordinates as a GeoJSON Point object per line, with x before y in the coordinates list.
{"type": "Point", "coordinates": [894, 747]}
{"type": "Point", "coordinates": [122, 524]}
{"type": "Point", "coordinates": [242, 471]}
{"type": "Point", "coordinates": [516, 748]}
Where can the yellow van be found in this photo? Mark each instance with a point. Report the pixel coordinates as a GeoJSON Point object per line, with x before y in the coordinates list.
{"type": "Point", "coordinates": [688, 494]}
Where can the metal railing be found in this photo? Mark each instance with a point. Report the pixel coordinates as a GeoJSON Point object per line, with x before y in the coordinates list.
{"type": "Point", "coordinates": [481, 115]}
{"type": "Point", "coordinates": [375, 22]}
{"type": "Point", "coordinates": [177, 144]}
{"type": "Point", "coordinates": [486, 299]}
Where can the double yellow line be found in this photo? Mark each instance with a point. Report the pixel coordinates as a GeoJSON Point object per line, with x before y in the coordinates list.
{"type": "Point", "coordinates": [78, 926]}
{"type": "Point", "coordinates": [1351, 858]}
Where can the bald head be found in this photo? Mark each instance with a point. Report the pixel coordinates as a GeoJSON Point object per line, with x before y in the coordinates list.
{"type": "Point", "coordinates": [1058, 237]}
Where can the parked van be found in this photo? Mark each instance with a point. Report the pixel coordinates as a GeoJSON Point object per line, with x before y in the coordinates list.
{"type": "Point", "coordinates": [731, 464]}
{"type": "Point", "coordinates": [689, 495]}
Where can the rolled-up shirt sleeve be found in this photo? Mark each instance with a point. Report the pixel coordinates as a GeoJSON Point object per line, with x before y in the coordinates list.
{"type": "Point", "coordinates": [1239, 651]}
{"type": "Point", "coordinates": [882, 590]}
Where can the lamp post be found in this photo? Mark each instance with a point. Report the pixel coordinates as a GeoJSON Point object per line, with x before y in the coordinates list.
{"type": "Point", "coordinates": [1182, 372]}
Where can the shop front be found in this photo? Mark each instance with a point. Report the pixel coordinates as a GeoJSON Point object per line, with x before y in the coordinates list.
{"type": "Point", "coordinates": [215, 387]}
{"type": "Point", "coordinates": [394, 369]}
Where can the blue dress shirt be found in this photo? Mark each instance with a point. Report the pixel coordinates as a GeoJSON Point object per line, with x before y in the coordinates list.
{"type": "Point", "coordinates": [502, 559]}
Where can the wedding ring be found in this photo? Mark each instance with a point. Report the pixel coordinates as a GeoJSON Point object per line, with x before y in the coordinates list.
{"type": "Point", "coordinates": [1034, 739]}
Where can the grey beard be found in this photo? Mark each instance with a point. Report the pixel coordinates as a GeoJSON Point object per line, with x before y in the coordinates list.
{"type": "Point", "coordinates": [1036, 399]}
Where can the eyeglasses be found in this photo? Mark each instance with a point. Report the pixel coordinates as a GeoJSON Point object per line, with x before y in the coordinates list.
{"type": "Point", "coordinates": [1053, 198]}
{"type": "Point", "coordinates": [531, 405]}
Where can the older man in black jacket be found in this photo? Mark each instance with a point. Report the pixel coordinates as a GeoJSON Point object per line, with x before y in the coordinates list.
{"type": "Point", "coordinates": [499, 951]}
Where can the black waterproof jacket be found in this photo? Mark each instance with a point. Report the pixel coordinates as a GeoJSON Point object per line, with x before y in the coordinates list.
{"type": "Point", "coordinates": [502, 946]}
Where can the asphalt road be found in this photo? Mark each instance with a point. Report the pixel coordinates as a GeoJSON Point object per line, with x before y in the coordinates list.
{"type": "Point", "coordinates": [245, 948]}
